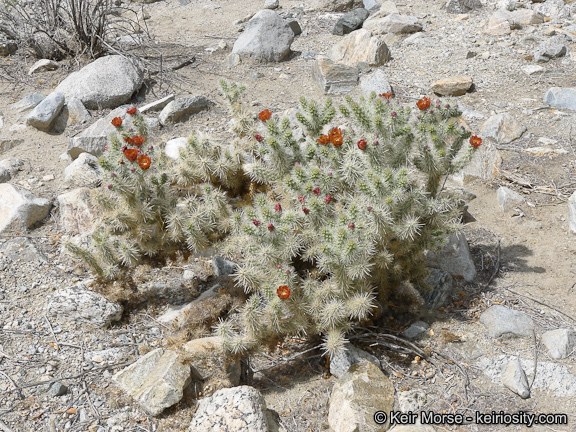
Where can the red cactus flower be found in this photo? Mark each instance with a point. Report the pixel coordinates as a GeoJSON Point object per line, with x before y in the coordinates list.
{"type": "Point", "coordinates": [131, 154]}
{"type": "Point", "coordinates": [327, 199]}
{"type": "Point", "coordinates": [270, 227]}
{"type": "Point", "coordinates": [316, 191]}
{"type": "Point", "coordinates": [144, 161]}
{"type": "Point", "coordinates": [116, 122]}
{"type": "Point", "coordinates": [423, 104]}
{"type": "Point", "coordinates": [259, 137]}
{"type": "Point", "coordinates": [362, 144]}
{"type": "Point", "coordinates": [278, 208]}
{"type": "Point", "coordinates": [256, 222]}
{"type": "Point", "coordinates": [131, 111]}
{"type": "Point", "coordinates": [475, 141]}
{"type": "Point", "coordinates": [265, 115]}
{"type": "Point", "coordinates": [283, 292]}
{"type": "Point", "coordinates": [305, 210]}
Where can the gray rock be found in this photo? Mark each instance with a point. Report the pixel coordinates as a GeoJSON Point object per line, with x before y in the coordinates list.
{"type": "Point", "coordinates": [337, 5]}
{"type": "Point", "coordinates": [223, 267]}
{"type": "Point", "coordinates": [501, 23]}
{"type": "Point", "coordinates": [43, 66]}
{"type": "Point", "coordinates": [334, 78]}
{"type": "Point", "coordinates": [371, 5]}
{"type": "Point", "coordinates": [157, 105]}
{"type": "Point", "coordinates": [462, 6]}
{"type": "Point", "coordinates": [560, 343]}
{"type": "Point", "coordinates": [345, 358]}
{"type": "Point", "coordinates": [532, 69]}
{"type": "Point", "coordinates": [552, 48]}
{"type": "Point", "coordinates": [350, 21]}
{"type": "Point", "coordinates": [76, 214]}
{"type": "Point", "coordinates": [174, 146]}
{"type": "Point", "coordinates": [271, 4]}
{"type": "Point", "coordinates": [411, 400]}
{"type": "Point", "coordinates": [502, 128]}
{"type": "Point", "coordinates": [572, 212]}
{"type": "Point", "coordinates": [555, 9]}
{"type": "Point", "coordinates": [442, 287]}
{"type": "Point", "coordinates": [527, 17]}
{"type": "Point", "coordinates": [508, 199]}
{"type": "Point", "coordinates": [267, 38]}
{"type": "Point", "coordinates": [415, 329]}
{"type": "Point", "coordinates": [550, 377]}
{"type": "Point", "coordinates": [240, 409]}
{"type": "Point", "coordinates": [28, 102]}
{"type": "Point", "coordinates": [104, 83]}
{"type": "Point", "coordinates": [561, 97]}
{"type": "Point", "coordinates": [176, 315]}
{"type": "Point", "coordinates": [9, 167]}
{"type": "Point", "coordinates": [156, 381]}
{"type": "Point", "coordinates": [179, 109]}
{"type": "Point", "coordinates": [485, 164]}
{"type": "Point", "coordinates": [357, 395]}
{"type": "Point", "coordinates": [92, 144]}
{"type": "Point", "coordinates": [19, 210]}
{"type": "Point", "coordinates": [375, 82]}
{"type": "Point", "coordinates": [514, 378]}
{"type": "Point", "coordinates": [43, 116]}
{"type": "Point", "coordinates": [394, 23]}
{"type": "Point", "coordinates": [295, 26]}
{"type": "Point", "coordinates": [500, 320]}
{"type": "Point", "coordinates": [454, 257]}
{"type": "Point", "coordinates": [83, 172]}
{"type": "Point", "coordinates": [57, 389]}
{"type": "Point", "coordinates": [20, 248]}
{"type": "Point", "coordinates": [81, 306]}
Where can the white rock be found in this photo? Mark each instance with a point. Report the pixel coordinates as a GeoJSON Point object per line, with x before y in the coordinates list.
{"type": "Point", "coordinates": [174, 146]}
{"type": "Point", "coordinates": [560, 343]}
{"type": "Point", "coordinates": [44, 114]}
{"type": "Point", "coordinates": [42, 66]}
{"type": "Point", "coordinates": [502, 128]}
{"type": "Point", "coordinates": [345, 358]}
{"type": "Point", "coordinates": [179, 109]}
{"type": "Point", "coordinates": [532, 69]}
{"type": "Point", "coordinates": [514, 378]}
{"type": "Point", "coordinates": [508, 199]}
{"type": "Point", "coordinates": [360, 46]}
{"type": "Point", "coordinates": [157, 105]}
{"type": "Point", "coordinates": [572, 212]}
{"type": "Point", "coordinates": [500, 320]}
{"type": "Point", "coordinates": [76, 214]}
{"type": "Point", "coordinates": [19, 210]}
{"type": "Point", "coordinates": [84, 172]}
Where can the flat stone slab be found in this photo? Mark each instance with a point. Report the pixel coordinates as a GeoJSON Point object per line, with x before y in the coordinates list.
{"type": "Point", "coordinates": [156, 381]}
{"type": "Point", "coordinates": [334, 78]}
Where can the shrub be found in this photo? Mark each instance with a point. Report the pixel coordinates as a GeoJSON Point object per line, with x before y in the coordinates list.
{"type": "Point", "coordinates": [335, 221]}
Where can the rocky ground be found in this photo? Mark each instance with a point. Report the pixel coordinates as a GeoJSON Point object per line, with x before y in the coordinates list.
{"type": "Point", "coordinates": [56, 366]}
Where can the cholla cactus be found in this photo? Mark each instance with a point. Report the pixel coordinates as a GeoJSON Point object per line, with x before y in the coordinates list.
{"type": "Point", "coordinates": [150, 205]}
{"type": "Point", "coordinates": [359, 204]}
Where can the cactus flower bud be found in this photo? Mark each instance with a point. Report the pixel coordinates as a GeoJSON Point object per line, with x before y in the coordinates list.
{"type": "Point", "coordinates": [278, 208]}
{"type": "Point", "coordinates": [351, 225]}
{"type": "Point", "coordinates": [327, 199]}
{"type": "Point", "coordinates": [270, 227]}
{"type": "Point", "coordinates": [256, 222]}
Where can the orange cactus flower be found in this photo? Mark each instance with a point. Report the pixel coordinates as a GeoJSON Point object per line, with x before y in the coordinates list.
{"type": "Point", "coordinates": [265, 115]}
{"type": "Point", "coordinates": [117, 121]}
{"type": "Point", "coordinates": [283, 292]}
{"type": "Point", "coordinates": [131, 111]}
{"type": "Point", "coordinates": [131, 154]}
{"type": "Point", "coordinates": [324, 139]}
{"type": "Point", "coordinates": [362, 144]}
{"type": "Point", "coordinates": [336, 137]}
{"type": "Point", "coordinates": [138, 140]}
{"type": "Point", "coordinates": [475, 141]}
{"type": "Point", "coordinates": [144, 161]}
{"type": "Point", "coordinates": [386, 95]}
{"type": "Point", "coordinates": [424, 104]}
